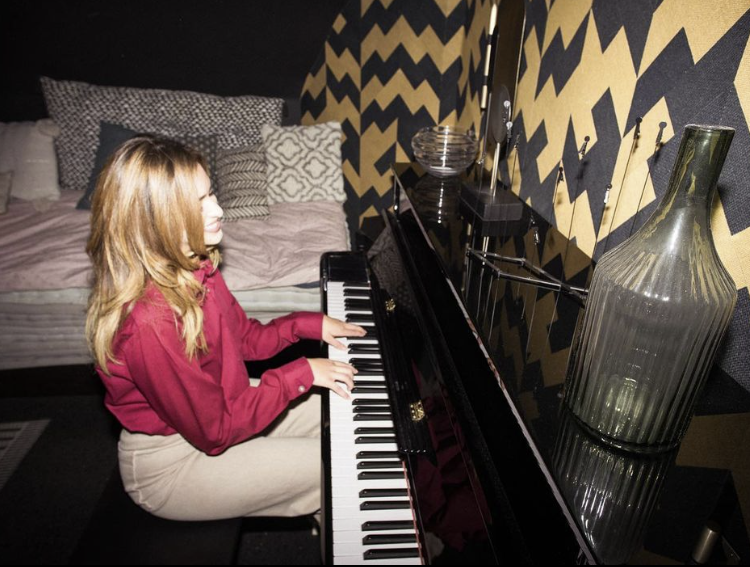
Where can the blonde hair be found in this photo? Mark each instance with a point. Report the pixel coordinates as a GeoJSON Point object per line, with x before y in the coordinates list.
{"type": "Point", "coordinates": [144, 204]}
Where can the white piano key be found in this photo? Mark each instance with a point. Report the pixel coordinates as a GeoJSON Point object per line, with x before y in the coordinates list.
{"type": "Point", "coordinates": [359, 560]}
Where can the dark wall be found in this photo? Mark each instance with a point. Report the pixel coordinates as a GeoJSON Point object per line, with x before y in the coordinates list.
{"type": "Point", "coordinates": [224, 47]}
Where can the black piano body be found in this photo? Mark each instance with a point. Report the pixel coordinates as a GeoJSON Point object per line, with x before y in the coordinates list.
{"type": "Point", "coordinates": [480, 491]}
{"type": "Point", "coordinates": [509, 475]}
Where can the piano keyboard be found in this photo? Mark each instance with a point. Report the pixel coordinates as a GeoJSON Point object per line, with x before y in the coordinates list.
{"type": "Point", "coordinates": [373, 521]}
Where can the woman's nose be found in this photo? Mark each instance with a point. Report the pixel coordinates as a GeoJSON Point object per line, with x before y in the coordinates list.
{"type": "Point", "coordinates": [214, 209]}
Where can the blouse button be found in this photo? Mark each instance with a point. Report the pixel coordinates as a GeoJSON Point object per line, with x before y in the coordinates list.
{"type": "Point", "coordinates": [301, 389]}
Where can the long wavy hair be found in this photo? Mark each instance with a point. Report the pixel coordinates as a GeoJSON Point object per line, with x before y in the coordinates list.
{"type": "Point", "coordinates": [144, 204]}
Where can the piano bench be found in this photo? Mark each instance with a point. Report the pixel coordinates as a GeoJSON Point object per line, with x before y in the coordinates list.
{"type": "Point", "coordinates": [122, 533]}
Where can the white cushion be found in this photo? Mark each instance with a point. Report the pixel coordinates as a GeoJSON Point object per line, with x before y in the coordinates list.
{"type": "Point", "coordinates": [27, 149]}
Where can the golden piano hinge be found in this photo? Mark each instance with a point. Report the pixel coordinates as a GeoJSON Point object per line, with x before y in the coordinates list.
{"type": "Point", "coordinates": [390, 305]}
{"type": "Point", "coordinates": [417, 411]}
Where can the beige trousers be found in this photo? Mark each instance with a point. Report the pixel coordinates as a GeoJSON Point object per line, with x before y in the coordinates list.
{"type": "Point", "coordinates": [276, 473]}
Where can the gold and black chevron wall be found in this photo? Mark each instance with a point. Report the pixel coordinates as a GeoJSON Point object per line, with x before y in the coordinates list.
{"type": "Point", "coordinates": [591, 68]}
{"type": "Point", "coordinates": [597, 68]}
{"type": "Point", "coordinates": [388, 69]}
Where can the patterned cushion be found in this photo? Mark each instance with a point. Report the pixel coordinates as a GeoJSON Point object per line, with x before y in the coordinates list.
{"type": "Point", "coordinates": [78, 108]}
{"type": "Point", "coordinates": [304, 163]}
{"type": "Point", "coordinates": [243, 190]}
{"type": "Point", "coordinates": [112, 135]}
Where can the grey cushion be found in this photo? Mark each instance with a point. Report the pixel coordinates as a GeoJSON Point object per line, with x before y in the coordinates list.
{"type": "Point", "coordinates": [112, 135]}
{"type": "Point", "coordinates": [304, 163]}
{"type": "Point", "coordinates": [243, 190]}
{"type": "Point", "coordinates": [78, 108]}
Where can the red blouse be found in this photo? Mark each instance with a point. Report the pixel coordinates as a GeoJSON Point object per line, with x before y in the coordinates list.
{"type": "Point", "coordinates": [156, 389]}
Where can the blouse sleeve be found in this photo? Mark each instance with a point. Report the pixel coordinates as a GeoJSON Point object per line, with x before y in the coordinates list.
{"type": "Point", "coordinates": [212, 413]}
{"type": "Point", "coordinates": [261, 341]}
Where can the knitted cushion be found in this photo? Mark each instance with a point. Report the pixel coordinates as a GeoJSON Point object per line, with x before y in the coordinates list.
{"type": "Point", "coordinates": [243, 190]}
{"type": "Point", "coordinates": [78, 108]}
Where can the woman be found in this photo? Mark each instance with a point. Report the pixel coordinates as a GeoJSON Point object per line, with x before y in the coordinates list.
{"type": "Point", "coordinates": [199, 441]}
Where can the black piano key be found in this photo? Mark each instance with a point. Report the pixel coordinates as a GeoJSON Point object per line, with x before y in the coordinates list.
{"type": "Point", "coordinates": [353, 291]}
{"type": "Point", "coordinates": [361, 284]}
{"type": "Point", "coordinates": [365, 361]}
{"type": "Point", "coordinates": [360, 318]}
{"type": "Point", "coordinates": [369, 440]}
{"type": "Point", "coordinates": [369, 402]}
{"type": "Point", "coordinates": [374, 383]}
{"type": "Point", "coordinates": [369, 465]}
{"type": "Point", "coordinates": [382, 492]}
{"type": "Point", "coordinates": [390, 553]}
{"type": "Point", "coordinates": [380, 475]}
{"type": "Point", "coordinates": [377, 455]}
{"type": "Point", "coordinates": [363, 349]}
{"type": "Point", "coordinates": [382, 539]}
{"type": "Point", "coordinates": [384, 525]}
{"type": "Point", "coordinates": [351, 304]}
{"type": "Point", "coordinates": [369, 390]}
{"type": "Point", "coordinates": [370, 368]}
{"type": "Point", "coordinates": [385, 505]}
{"type": "Point", "coordinates": [373, 417]}
{"type": "Point", "coordinates": [375, 431]}
{"type": "Point", "coordinates": [372, 409]}
{"type": "Point", "coordinates": [354, 351]}
{"type": "Point", "coordinates": [363, 373]}
{"type": "Point", "coordinates": [379, 369]}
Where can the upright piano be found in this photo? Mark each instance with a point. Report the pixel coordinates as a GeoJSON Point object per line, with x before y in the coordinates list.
{"type": "Point", "coordinates": [456, 447]}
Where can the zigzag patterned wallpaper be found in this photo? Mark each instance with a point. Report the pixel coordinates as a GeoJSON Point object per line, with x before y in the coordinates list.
{"type": "Point", "coordinates": [589, 68]}
{"type": "Point", "coordinates": [593, 68]}
{"type": "Point", "coordinates": [389, 68]}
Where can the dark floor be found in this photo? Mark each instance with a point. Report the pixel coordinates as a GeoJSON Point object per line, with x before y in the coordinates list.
{"type": "Point", "coordinates": [47, 505]}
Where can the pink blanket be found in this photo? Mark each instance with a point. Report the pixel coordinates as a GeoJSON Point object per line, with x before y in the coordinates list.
{"type": "Point", "coordinates": [45, 251]}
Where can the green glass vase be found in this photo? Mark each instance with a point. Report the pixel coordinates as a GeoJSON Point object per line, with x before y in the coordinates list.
{"type": "Point", "coordinates": [658, 306]}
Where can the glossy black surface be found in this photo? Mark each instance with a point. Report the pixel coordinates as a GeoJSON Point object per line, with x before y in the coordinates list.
{"type": "Point", "coordinates": [507, 381]}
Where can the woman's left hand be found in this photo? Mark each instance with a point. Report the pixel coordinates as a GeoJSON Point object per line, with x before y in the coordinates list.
{"type": "Point", "coordinates": [333, 328]}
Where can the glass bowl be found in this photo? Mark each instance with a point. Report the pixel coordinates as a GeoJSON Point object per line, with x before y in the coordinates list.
{"type": "Point", "coordinates": [444, 151]}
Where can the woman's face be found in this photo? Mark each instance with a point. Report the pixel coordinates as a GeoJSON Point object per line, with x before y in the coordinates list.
{"type": "Point", "coordinates": [210, 210]}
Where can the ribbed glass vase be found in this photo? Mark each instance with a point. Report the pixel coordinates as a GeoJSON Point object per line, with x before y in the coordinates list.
{"type": "Point", "coordinates": [658, 306]}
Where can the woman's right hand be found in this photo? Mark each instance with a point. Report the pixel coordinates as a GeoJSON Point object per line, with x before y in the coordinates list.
{"type": "Point", "coordinates": [333, 375]}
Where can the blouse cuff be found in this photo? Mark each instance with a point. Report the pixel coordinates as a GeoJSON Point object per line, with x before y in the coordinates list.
{"type": "Point", "coordinates": [298, 377]}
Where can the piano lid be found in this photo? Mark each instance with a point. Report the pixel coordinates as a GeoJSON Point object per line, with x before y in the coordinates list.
{"type": "Point", "coordinates": [627, 508]}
